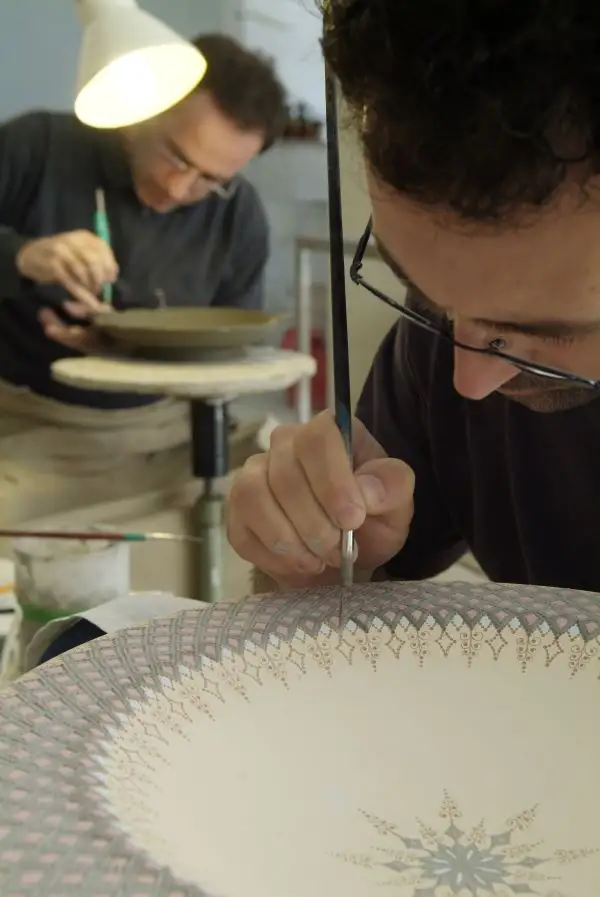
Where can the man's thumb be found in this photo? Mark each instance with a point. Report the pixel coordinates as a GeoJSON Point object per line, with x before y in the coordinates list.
{"type": "Point", "coordinates": [387, 486]}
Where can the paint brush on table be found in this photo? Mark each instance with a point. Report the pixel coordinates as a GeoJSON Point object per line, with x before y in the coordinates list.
{"type": "Point", "coordinates": [102, 228]}
{"type": "Point", "coordinates": [97, 536]}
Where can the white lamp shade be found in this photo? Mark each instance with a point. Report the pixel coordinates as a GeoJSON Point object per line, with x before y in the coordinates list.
{"type": "Point", "coordinates": [132, 66]}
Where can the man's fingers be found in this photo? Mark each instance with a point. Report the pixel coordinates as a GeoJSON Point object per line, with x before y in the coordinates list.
{"type": "Point", "coordinates": [77, 338]}
{"type": "Point", "coordinates": [67, 266]}
{"type": "Point", "coordinates": [364, 446]}
{"type": "Point", "coordinates": [250, 548]}
{"type": "Point", "coordinates": [286, 507]}
{"type": "Point", "coordinates": [98, 262]}
{"type": "Point", "coordinates": [84, 296]}
{"type": "Point", "coordinates": [85, 262]}
{"type": "Point", "coordinates": [76, 309]}
{"type": "Point", "coordinates": [269, 525]}
{"type": "Point", "coordinates": [289, 485]}
{"type": "Point", "coordinates": [72, 337]}
{"type": "Point", "coordinates": [387, 486]}
{"type": "Point", "coordinates": [78, 259]}
{"type": "Point", "coordinates": [49, 318]}
{"type": "Point", "coordinates": [320, 451]}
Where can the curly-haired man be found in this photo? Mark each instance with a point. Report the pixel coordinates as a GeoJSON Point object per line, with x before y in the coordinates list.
{"type": "Point", "coordinates": [480, 123]}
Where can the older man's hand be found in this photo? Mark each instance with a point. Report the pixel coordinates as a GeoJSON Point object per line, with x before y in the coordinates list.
{"type": "Point", "coordinates": [88, 340]}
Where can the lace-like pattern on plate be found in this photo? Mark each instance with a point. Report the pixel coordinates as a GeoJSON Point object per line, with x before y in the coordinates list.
{"type": "Point", "coordinates": [57, 834]}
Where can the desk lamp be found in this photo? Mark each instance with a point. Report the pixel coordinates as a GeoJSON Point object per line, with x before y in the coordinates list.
{"type": "Point", "coordinates": [132, 66]}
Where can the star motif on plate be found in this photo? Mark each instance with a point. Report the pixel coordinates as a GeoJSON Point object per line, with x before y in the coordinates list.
{"type": "Point", "coordinates": [456, 860]}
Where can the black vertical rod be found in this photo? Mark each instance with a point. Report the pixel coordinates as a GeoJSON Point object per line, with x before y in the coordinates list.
{"type": "Point", "coordinates": [210, 434]}
{"type": "Point", "coordinates": [339, 312]}
{"type": "Point", "coordinates": [337, 264]}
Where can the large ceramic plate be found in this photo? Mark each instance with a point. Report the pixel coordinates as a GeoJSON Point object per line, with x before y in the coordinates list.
{"type": "Point", "coordinates": [445, 744]}
{"type": "Point", "coordinates": [199, 328]}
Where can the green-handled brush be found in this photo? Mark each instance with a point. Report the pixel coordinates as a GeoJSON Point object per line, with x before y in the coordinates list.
{"type": "Point", "coordinates": [95, 536]}
{"type": "Point", "coordinates": [102, 229]}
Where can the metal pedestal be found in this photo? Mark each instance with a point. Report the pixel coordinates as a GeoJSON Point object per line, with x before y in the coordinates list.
{"type": "Point", "coordinates": [210, 462]}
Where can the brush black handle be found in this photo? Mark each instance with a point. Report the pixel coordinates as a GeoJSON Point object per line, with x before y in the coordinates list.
{"type": "Point", "coordinates": [337, 263]}
{"type": "Point", "coordinates": [339, 312]}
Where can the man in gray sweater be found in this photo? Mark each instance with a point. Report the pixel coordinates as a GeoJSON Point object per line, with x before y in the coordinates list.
{"type": "Point", "coordinates": [185, 225]}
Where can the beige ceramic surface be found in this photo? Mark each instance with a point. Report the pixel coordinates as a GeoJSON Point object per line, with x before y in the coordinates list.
{"type": "Point", "coordinates": [185, 327]}
{"type": "Point", "coordinates": [445, 744]}
{"type": "Point", "coordinates": [260, 370]}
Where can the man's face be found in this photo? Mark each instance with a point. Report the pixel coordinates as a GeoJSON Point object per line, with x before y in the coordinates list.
{"type": "Point", "coordinates": [192, 150]}
{"type": "Point", "coordinates": [536, 285]}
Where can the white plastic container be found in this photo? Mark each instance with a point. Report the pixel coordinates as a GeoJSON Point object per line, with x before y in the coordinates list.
{"type": "Point", "coordinates": [10, 621]}
{"type": "Point", "coordinates": [56, 578]}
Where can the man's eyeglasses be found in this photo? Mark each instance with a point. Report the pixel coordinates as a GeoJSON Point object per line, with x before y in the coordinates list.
{"type": "Point", "coordinates": [444, 329]}
{"type": "Point", "coordinates": [224, 190]}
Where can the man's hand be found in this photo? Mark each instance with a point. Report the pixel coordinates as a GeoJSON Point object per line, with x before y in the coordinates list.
{"type": "Point", "coordinates": [82, 339]}
{"type": "Point", "coordinates": [287, 507]}
{"type": "Point", "coordinates": [79, 261]}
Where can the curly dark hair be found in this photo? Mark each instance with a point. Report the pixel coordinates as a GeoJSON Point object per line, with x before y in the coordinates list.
{"type": "Point", "coordinates": [480, 106]}
{"type": "Point", "coordinates": [244, 86]}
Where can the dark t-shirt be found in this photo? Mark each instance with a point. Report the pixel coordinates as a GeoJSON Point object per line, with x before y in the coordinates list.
{"type": "Point", "coordinates": [210, 253]}
{"type": "Point", "coordinates": [520, 489]}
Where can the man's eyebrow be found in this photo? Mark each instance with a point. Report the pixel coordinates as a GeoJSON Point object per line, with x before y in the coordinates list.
{"type": "Point", "coordinates": [177, 151]}
{"type": "Point", "coordinates": [552, 327]}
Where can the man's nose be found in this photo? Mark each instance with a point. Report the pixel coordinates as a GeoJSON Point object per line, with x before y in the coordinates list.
{"type": "Point", "coordinates": [477, 376]}
{"type": "Point", "coordinates": [179, 186]}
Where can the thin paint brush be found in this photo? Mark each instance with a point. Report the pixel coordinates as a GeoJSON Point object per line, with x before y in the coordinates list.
{"type": "Point", "coordinates": [95, 536]}
{"type": "Point", "coordinates": [339, 315]}
{"type": "Point", "coordinates": [102, 229]}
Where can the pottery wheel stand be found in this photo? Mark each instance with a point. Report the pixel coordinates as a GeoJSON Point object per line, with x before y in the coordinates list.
{"type": "Point", "coordinates": [208, 387]}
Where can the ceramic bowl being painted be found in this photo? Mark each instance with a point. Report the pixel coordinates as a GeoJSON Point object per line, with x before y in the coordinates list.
{"type": "Point", "coordinates": [444, 743]}
{"type": "Point", "coordinates": [187, 328]}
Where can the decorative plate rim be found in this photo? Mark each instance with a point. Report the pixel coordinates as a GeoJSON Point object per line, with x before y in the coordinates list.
{"type": "Point", "coordinates": [136, 658]}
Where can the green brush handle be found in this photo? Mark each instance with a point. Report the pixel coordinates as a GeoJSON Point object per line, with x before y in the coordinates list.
{"type": "Point", "coordinates": [103, 231]}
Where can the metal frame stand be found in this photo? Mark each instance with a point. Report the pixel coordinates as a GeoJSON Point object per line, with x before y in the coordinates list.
{"type": "Point", "coordinates": [210, 462]}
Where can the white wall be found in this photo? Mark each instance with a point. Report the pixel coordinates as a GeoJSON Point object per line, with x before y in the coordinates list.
{"type": "Point", "coordinates": [289, 31]}
{"type": "Point", "coordinates": [291, 178]}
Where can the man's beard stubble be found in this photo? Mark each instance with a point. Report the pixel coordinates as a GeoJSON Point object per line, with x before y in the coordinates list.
{"type": "Point", "coordinates": [545, 396]}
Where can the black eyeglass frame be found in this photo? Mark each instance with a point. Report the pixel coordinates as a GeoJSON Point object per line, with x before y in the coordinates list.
{"type": "Point", "coordinates": [414, 317]}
